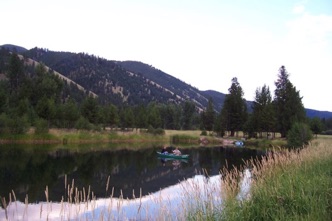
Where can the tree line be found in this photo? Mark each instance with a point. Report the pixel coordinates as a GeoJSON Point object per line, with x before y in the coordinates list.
{"type": "Point", "coordinates": [34, 96]}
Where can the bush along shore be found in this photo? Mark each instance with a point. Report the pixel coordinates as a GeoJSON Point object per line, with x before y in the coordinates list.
{"type": "Point", "coordinates": [287, 185]}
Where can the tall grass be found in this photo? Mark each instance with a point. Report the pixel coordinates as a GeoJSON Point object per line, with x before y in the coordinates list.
{"type": "Point", "coordinates": [294, 185]}
{"type": "Point", "coordinates": [73, 136]}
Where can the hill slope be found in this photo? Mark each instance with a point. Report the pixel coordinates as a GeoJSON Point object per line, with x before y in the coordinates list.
{"type": "Point", "coordinates": [127, 82]}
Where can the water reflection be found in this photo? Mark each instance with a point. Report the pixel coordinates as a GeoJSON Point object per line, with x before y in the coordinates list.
{"type": "Point", "coordinates": [128, 171]}
{"type": "Point", "coordinates": [171, 203]}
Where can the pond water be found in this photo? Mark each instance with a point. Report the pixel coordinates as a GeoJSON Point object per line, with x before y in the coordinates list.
{"type": "Point", "coordinates": [120, 173]}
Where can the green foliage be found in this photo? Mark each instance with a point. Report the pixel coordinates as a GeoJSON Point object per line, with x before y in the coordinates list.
{"type": "Point", "coordinates": [299, 135]}
{"type": "Point", "coordinates": [45, 108]}
{"type": "Point", "coordinates": [15, 125]}
{"type": "Point", "coordinates": [83, 124]}
{"type": "Point", "coordinates": [316, 125]}
{"type": "Point", "coordinates": [208, 116]}
{"type": "Point", "coordinates": [153, 115]}
{"type": "Point", "coordinates": [111, 116]}
{"type": "Point", "coordinates": [263, 119]}
{"type": "Point", "coordinates": [3, 96]}
{"type": "Point", "coordinates": [41, 126]}
{"type": "Point", "coordinates": [288, 103]}
{"type": "Point", "coordinates": [158, 131]}
{"type": "Point", "coordinates": [89, 109]}
{"type": "Point", "coordinates": [234, 111]}
{"type": "Point", "coordinates": [70, 113]}
{"type": "Point", "coordinates": [292, 189]}
{"type": "Point", "coordinates": [170, 116]}
{"type": "Point", "coordinates": [188, 115]}
{"type": "Point", "coordinates": [15, 73]}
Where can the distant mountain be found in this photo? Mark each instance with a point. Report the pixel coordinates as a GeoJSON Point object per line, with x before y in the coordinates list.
{"type": "Point", "coordinates": [174, 85]}
{"type": "Point", "coordinates": [14, 48]}
{"type": "Point", "coordinates": [320, 114]}
{"type": "Point", "coordinates": [127, 82]}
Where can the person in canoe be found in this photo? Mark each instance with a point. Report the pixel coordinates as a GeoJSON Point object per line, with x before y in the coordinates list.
{"type": "Point", "coordinates": [177, 151]}
{"type": "Point", "coordinates": [164, 150]}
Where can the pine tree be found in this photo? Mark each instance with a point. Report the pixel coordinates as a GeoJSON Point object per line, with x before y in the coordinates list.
{"type": "Point", "coordinates": [188, 115]}
{"type": "Point", "coordinates": [263, 117]}
{"type": "Point", "coordinates": [208, 116]}
{"type": "Point", "coordinates": [288, 103]}
{"type": "Point", "coordinates": [234, 110]}
{"type": "Point", "coordinates": [15, 73]}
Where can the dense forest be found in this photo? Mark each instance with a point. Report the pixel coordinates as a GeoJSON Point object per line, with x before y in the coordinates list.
{"type": "Point", "coordinates": [31, 94]}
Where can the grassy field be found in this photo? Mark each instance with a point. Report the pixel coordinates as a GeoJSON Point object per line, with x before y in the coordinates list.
{"type": "Point", "coordinates": [294, 185]}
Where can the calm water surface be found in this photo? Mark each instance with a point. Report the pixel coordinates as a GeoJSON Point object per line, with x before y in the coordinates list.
{"type": "Point", "coordinates": [130, 172]}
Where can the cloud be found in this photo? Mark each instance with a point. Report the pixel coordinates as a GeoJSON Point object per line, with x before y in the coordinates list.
{"type": "Point", "coordinates": [307, 54]}
{"type": "Point", "coordinates": [298, 9]}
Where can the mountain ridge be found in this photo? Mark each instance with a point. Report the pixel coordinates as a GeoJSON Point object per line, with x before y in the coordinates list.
{"type": "Point", "coordinates": [129, 82]}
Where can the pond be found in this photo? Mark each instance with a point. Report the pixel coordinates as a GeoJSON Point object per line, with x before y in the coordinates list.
{"type": "Point", "coordinates": [100, 173]}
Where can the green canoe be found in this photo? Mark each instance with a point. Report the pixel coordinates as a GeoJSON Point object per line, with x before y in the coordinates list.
{"type": "Point", "coordinates": [173, 156]}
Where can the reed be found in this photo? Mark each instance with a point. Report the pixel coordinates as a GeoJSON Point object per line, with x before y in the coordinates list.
{"type": "Point", "coordinates": [287, 185]}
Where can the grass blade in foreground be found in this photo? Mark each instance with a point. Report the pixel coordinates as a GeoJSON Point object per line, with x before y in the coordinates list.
{"type": "Point", "coordinates": [289, 186]}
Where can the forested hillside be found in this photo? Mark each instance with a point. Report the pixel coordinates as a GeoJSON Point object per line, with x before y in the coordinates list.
{"type": "Point", "coordinates": [111, 82]}
{"type": "Point", "coordinates": [79, 90]}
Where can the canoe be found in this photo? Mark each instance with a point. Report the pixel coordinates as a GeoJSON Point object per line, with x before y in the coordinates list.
{"type": "Point", "coordinates": [173, 156]}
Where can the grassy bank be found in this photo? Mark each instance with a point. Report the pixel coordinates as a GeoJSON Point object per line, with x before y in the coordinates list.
{"type": "Point", "coordinates": [71, 136]}
{"type": "Point", "coordinates": [287, 186]}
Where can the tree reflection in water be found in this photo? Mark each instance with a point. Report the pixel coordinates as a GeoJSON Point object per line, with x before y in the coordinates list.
{"type": "Point", "coordinates": [171, 203]}
{"type": "Point", "coordinates": [128, 173]}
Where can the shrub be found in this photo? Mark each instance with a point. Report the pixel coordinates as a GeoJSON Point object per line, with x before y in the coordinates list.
{"type": "Point", "coordinates": [17, 125]}
{"type": "Point", "coordinates": [299, 135]}
{"type": "Point", "coordinates": [41, 126]}
{"type": "Point", "coordinates": [83, 124]}
{"type": "Point", "coordinates": [158, 131]}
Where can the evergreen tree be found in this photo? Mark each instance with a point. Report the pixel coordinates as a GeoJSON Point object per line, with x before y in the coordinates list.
{"type": "Point", "coordinates": [188, 115]}
{"type": "Point", "coordinates": [15, 75]}
{"type": "Point", "coordinates": [234, 111]}
{"type": "Point", "coordinates": [47, 84]}
{"type": "Point", "coordinates": [141, 117]}
{"type": "Point", "coordinates": [3, 96]}
{"type": "Point", "coordinates": [46, 108]}
{"type": "Point", "coordinates": [15, 72]}
{"type": "Point", "coordinates": [219, 126]}
{"type": "Point", "coordinates": [129, 119]}
{"type": "Point", "coordinates": [208, 116]}
{"type": "Point", "coordinates": [89, 110]}
{"type": "Point", "coordinates": [263, 114]}
{"type": "Point", "coordinates": [316, 125]}
{"type": "Point", "coordinates": [70, 113]}
{"type": "Point", "coordinates": [299, 135]}
{"type": "Point", "coordinates": [288, 103]}
{"type": "Point", "coordinates": [111, 115]}
{"type": "Point", "coordinates": [154, 117]}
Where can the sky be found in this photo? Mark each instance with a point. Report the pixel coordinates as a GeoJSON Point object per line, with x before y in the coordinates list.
{"type": "Point", "coordinates": [203, 43]}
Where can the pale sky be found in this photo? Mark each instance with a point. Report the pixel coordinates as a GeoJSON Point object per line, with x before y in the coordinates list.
{"type": "Point", "coordinates": [203, 43]}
